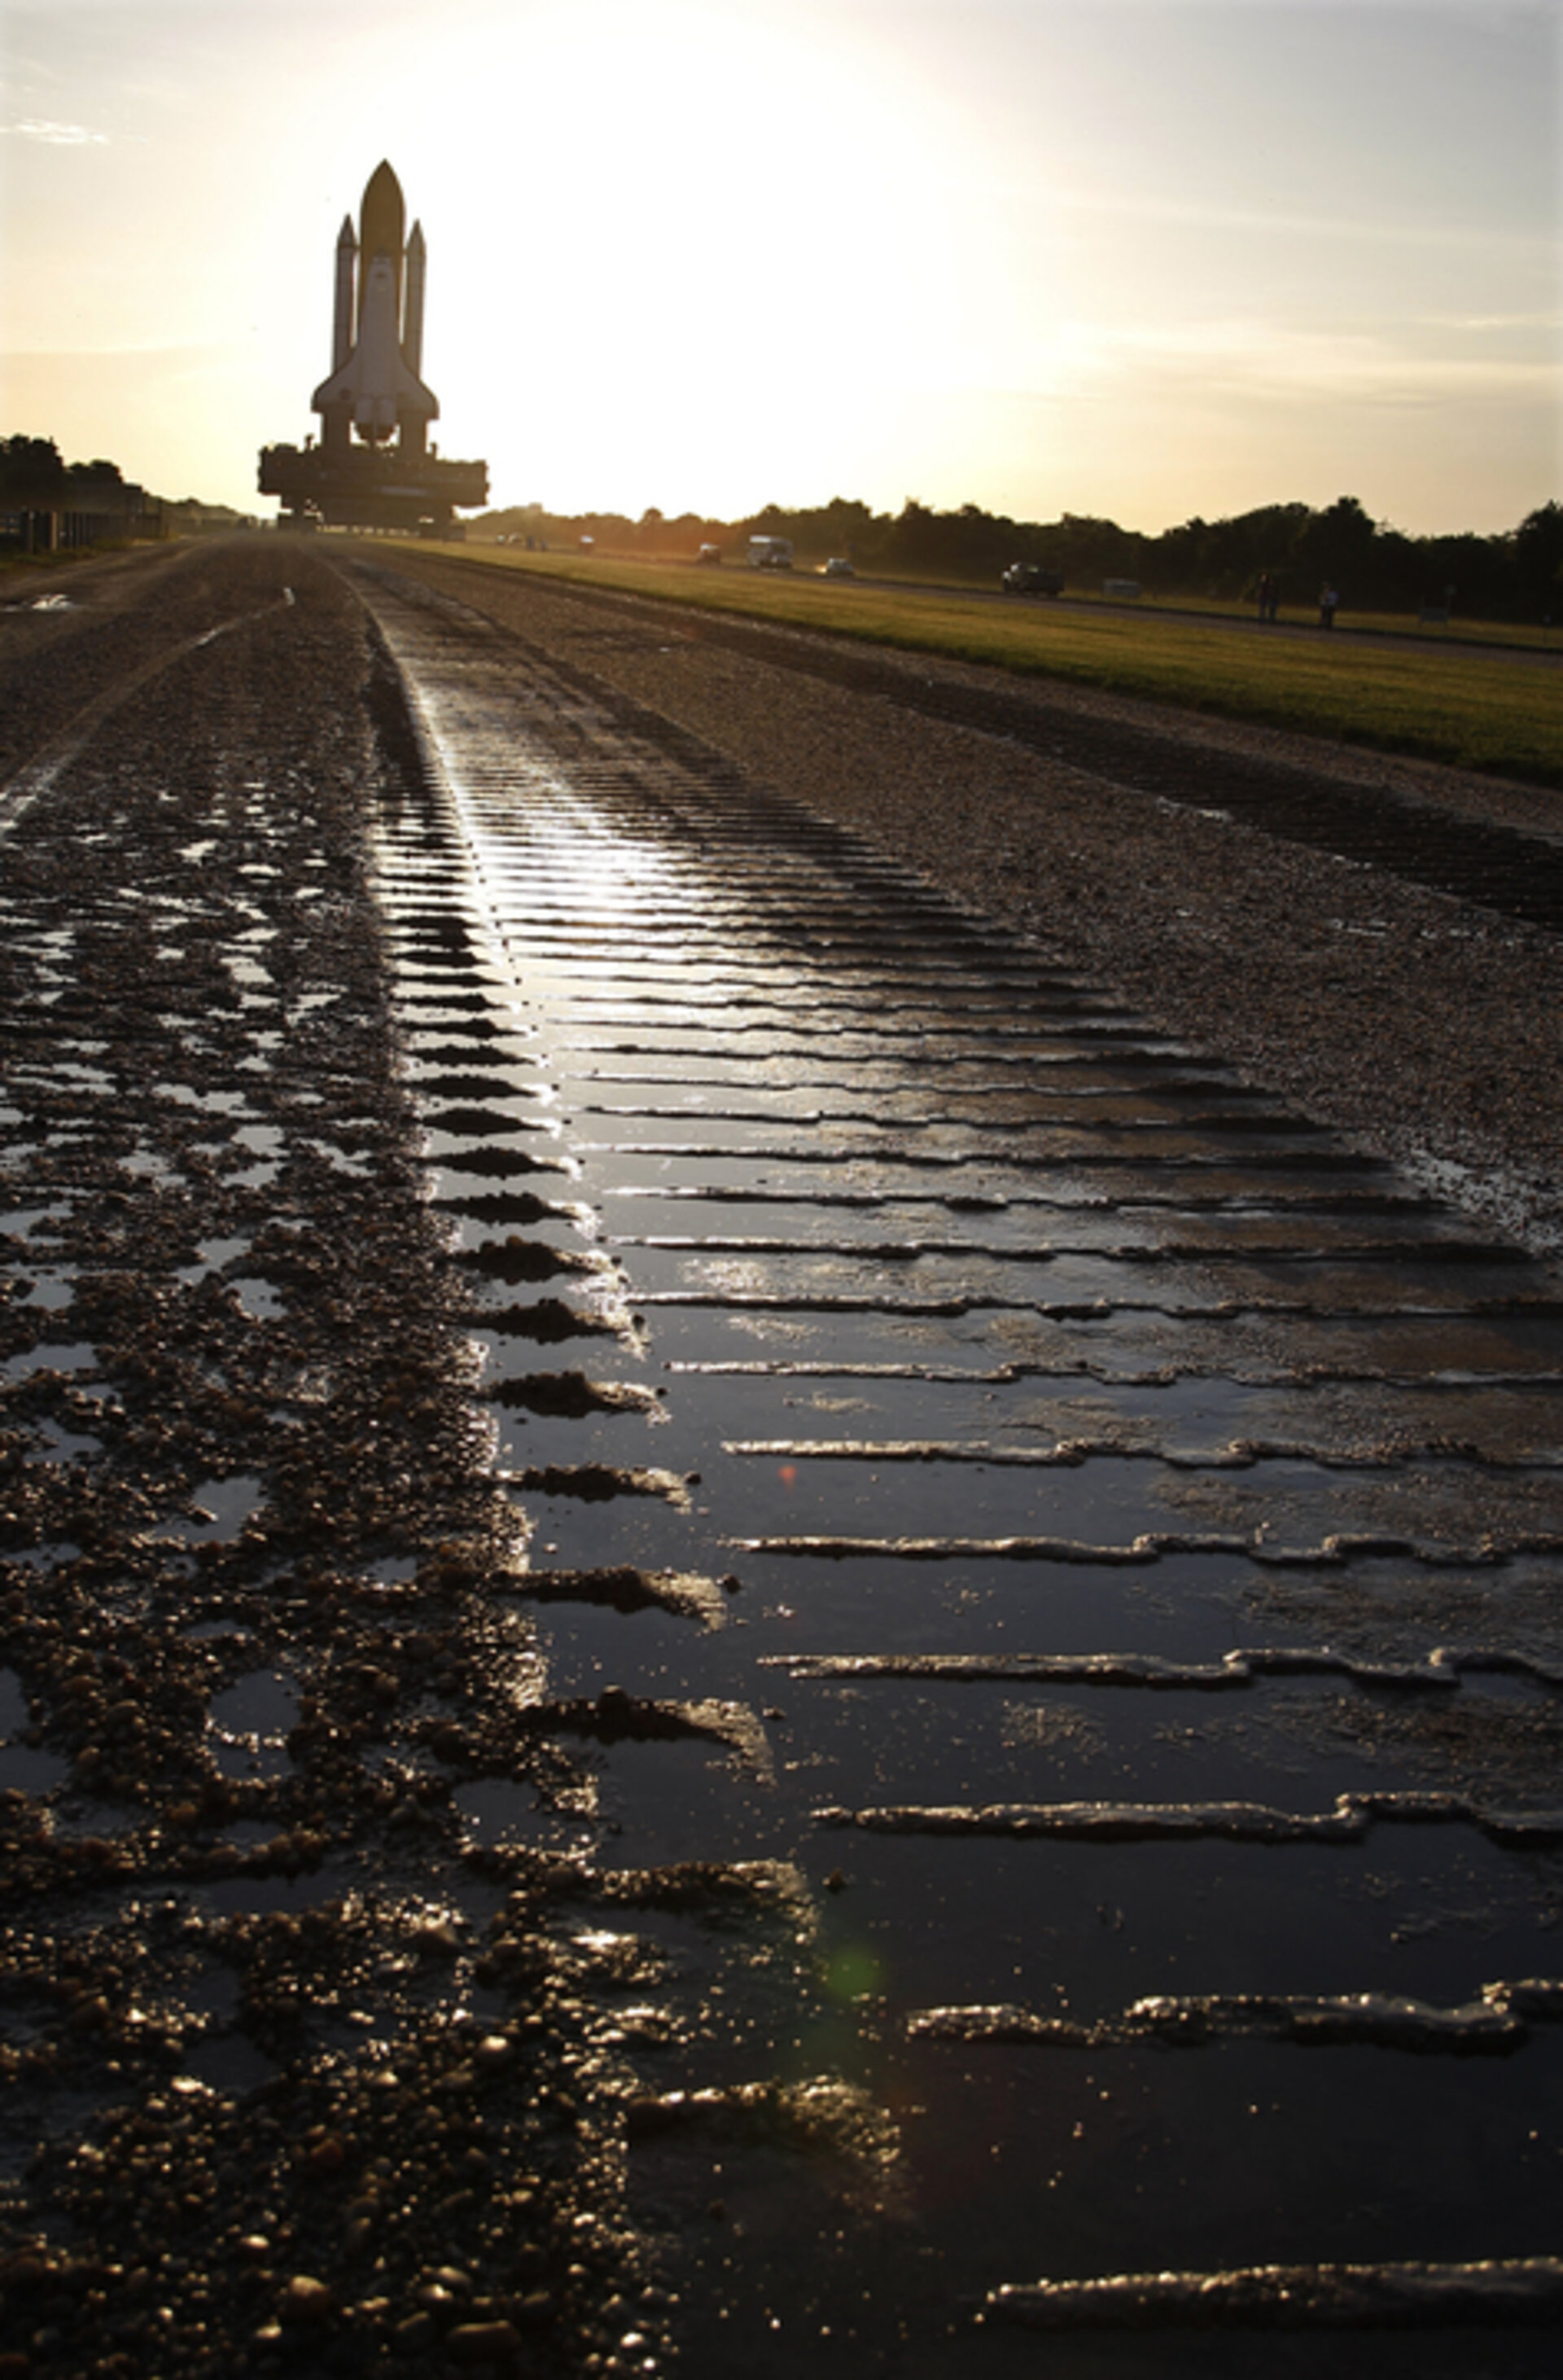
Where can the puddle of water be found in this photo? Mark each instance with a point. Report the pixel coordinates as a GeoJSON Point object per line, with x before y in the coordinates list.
{"type": "Point", "coordinates": [75, 1355]}
{"type": "Point", "coordinates": [499, 1812]}
{"type": "Point", "coordinates": [1135, 1364]}
{"type": "Point", "coordinates": [230, 2064]}
{"type": "Point", "coordinates": [688, 1801]}
{"type": "Point", "coordinates": [13, 1706]}
{"type": "Point", "coordinates": [250, 1723]}
{"type": "Point", "coordinates": [23, 1769]}
{"type": "Point", "coordinates": [258, 1896]}
{"type": "Point", "coordinates": [396, 1571]}
{"type": "Point", "coordinates": [66, 1446]}
{"type": "Point", "coordinates": [258, 1298]}
{"type": "Point", "coordinates": [223, 1506]}
{"type": "Point", "coordinates": [20, 1223]}
{"type": "Point", "coordinates": [147, 1167]}
{"type": "Point", "coordinates": [53, 1292]}
{"type": "Point", "coordinates": [264, 1703]}
{"type": "Point", "coordinates": [211, 1256]}
{"type": "Point", "coordinates": [78, 1818]}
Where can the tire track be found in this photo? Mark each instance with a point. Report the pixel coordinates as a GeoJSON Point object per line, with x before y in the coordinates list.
{"type": "Point", "coordinates": [1253, 1412]}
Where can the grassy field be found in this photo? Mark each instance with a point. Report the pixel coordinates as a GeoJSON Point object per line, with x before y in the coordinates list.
{"type": "Point", "coordinates": [1499, 712]}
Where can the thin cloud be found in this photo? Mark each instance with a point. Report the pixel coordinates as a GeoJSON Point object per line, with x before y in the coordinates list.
{"type": "Point", "coordinates": [1376, 231]}
{"type": "Point", "coordinates": [1550, 323]}
{"type": "Point", "coordinates": [55, 136]}
{"type": "Point", "coordinates": [1266, 356]}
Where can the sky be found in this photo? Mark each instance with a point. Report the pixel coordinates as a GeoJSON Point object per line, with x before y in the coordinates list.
{"type": "Point", "coordinates": [1140, 258]}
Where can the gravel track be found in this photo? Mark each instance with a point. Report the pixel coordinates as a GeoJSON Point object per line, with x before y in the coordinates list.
{"type": "Point", "coordinates": [398, 2165]}
{"type": "Point", "coordinates": [249, 1547]}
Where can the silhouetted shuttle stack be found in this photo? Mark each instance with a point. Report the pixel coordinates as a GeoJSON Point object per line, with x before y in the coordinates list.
{"type": "Point", "coordinates": [374, 468]}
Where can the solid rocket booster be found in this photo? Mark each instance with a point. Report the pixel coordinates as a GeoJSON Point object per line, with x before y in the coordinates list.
{"type": "Point", "coordinates": [374, 387]}
{"type": "Point", "coordinates": [342, 318]}
{"type": "Point", "coordinates": [412, 306]}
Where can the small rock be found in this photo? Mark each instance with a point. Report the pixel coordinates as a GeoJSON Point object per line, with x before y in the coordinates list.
{"type": "Point", "coordinates": [307, 2299]}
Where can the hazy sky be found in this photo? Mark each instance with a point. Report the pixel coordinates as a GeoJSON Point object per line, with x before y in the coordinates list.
{"type": "Point", "coordinates": [1141, 258]}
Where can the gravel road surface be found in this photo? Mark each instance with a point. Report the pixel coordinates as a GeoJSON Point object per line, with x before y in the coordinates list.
{"type": "Point", "coordinates": [249, 1539]}
{"type": "Point", "coordinates": [262, 2111]}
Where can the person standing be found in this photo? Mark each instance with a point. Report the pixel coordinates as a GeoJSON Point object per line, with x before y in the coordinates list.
{"type": "Point", "coordinates": [1328, 599]}
{"type": "Point", "coordinates": [1265, 592]}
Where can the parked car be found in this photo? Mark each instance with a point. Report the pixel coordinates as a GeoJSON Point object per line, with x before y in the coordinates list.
{"type": "Point", "coordinates": [1030, 578]}
{"type": "Point", "coordinates": [837, 567]}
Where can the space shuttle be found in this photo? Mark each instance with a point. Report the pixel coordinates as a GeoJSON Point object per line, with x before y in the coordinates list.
{"type": "Point", "coordinates": [374, 468]}
{"type": "Point", "coordinates": [377, 334]}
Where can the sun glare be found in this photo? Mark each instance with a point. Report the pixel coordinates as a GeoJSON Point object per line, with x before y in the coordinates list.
{"type": "Point", "coordinates": [663, 244]}
{"type": "Point", "coordinates": [1113, 256]}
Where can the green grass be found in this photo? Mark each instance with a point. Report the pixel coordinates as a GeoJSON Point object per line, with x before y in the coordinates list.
{"type": "Point", "coordinates": [1437, 700]}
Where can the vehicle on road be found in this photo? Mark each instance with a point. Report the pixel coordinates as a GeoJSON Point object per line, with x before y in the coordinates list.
{"type": "Point", "coordinates": [837, 567]}
{"type": "Point", "coordinates": [1030, 578]}
{"type": "Point", "coordinates": [771, 553]}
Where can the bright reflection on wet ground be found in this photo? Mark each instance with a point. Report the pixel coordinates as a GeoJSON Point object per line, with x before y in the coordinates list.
{"type": "Point", "coordinates": [1097, 1535]}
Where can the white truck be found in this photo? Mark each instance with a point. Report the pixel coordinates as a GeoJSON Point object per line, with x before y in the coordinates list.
{"type": "Point", "coordinates": [771, 553]}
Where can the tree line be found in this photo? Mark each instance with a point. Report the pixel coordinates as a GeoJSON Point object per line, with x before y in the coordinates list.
{"type": "Point", "coordinates": [1515, 575]}
{"type": "Point", "coordinates": [34, 476]}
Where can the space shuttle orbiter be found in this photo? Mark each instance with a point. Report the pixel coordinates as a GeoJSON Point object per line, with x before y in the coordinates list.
{"type": "Point", "coordinates": [377, 336]}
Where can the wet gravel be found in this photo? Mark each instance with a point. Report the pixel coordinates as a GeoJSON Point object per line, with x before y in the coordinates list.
{"type": "Point", "coordinates": [295, 2078]}
{"type": "Point", "coordinates": [1421, 1025]}
{"type": "Point", "coordinates": [299, 2079]}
